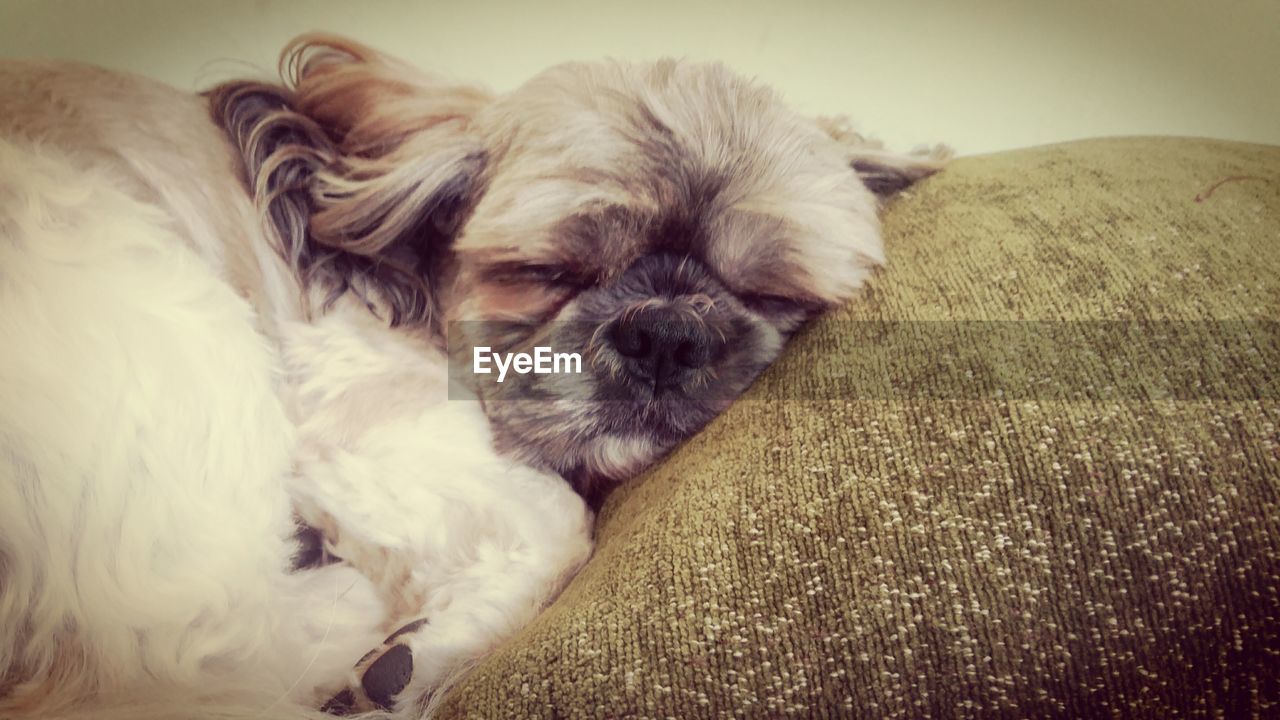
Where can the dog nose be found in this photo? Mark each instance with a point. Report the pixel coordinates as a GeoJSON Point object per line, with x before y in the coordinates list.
{"type": "Point", "coordinates": [662, 345]}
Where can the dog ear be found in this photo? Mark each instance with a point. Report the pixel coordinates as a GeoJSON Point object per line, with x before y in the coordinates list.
{"type": "Point", "coordinates": [885, 173]}
{"type": "Point", "coordinates": [363, 167]}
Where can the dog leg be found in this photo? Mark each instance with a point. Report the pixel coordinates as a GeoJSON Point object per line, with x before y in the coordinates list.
{"type": "Point", "coordinates": [463, 546]}
{"type": "Point", "coordinates": [409, 671]}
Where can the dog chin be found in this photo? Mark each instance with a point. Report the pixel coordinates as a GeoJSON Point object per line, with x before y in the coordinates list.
{"type": "Point", "coordinates": [613, 439]}
{"type": "Point", "coordinates": [597, 443]}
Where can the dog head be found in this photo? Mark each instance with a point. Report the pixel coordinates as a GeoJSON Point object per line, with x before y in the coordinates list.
{"type": "Point", "coordinates": [670, 223]}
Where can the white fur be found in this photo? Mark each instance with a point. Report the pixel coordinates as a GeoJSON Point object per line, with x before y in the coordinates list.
{"type": "Point", "coordinates": [157, 433]}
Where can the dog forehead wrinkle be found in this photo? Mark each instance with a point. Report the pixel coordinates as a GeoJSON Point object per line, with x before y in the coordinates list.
{"type": "Point", "coordinates": [754, 251]}
{"type": "Point", "coordinates": [545, 210]}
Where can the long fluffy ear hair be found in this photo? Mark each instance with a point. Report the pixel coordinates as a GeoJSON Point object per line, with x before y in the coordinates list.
{"type": "Point", "coordinates": [884, 172]}
{"type": "Point", "coordinates": [363, 168]}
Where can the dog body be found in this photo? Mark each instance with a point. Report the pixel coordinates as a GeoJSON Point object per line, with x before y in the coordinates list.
{"type": "Point", "coordinates": [183, 381]}
{"type": "Point", "coordinates": [204, 409]}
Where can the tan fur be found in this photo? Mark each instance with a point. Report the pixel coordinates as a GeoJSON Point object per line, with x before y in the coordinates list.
{"type": "Point", "coordinates": [379, 149]}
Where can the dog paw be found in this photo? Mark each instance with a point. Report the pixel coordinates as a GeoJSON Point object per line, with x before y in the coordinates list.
{"type": "Point", "coordinates": [378, 676]}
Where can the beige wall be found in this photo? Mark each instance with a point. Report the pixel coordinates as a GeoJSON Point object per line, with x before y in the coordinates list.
{"type": "Point", "coordinates": [982, 75]}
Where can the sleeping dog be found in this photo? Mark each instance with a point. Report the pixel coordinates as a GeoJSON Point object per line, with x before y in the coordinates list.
{"type": "Point", "coordinates": [231, 315]}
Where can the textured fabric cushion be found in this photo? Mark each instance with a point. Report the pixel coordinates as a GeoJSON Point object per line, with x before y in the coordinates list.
{"type": "Point", "coordinates": [930, 549]}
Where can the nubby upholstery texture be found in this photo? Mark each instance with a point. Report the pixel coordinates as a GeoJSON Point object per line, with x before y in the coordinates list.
{"type": "Point", "coordinates": [877, 531]}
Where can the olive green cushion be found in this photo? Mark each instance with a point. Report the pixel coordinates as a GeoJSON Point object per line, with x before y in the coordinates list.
{"type": "Point", "coordinates": [926, 548]}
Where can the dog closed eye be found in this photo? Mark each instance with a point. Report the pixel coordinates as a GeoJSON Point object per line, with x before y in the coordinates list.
{"type": "Point", "coordinates": [560, 276]}
{"type": "Point", "coordinates": [770, 304]}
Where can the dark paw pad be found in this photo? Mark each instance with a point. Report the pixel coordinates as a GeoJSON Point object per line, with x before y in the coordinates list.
{"type": "Point", "coordinates": [344, 703]}
{"type": "Point", "coordinates": [382, 673]}
{"type": "Point", "coordinates": [388, 675]}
